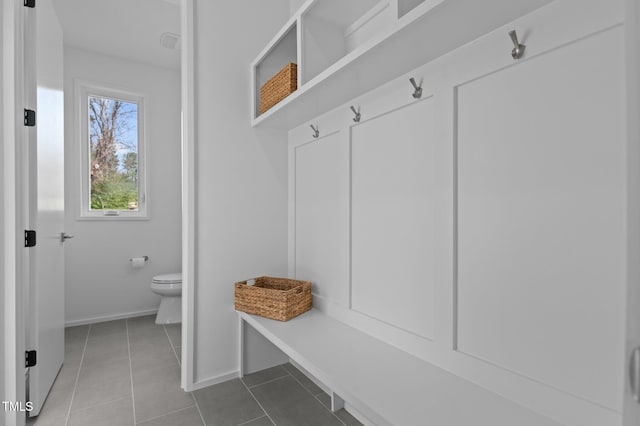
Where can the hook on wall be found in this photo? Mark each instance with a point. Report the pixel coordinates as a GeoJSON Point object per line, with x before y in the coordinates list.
{"type": "Point", "coordinates": [417, 94]}
{"type": "Point", "coordinates": [518, 49]}
{"type": "Point", "coordinates": [316, 131]}
{"type": "Point", "coordinates": [357, 114]}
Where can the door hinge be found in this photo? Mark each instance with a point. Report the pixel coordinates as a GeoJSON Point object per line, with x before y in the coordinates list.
{"type": "Point", "coordinates": [30, 359]}
{"type": "Point", "coordinates": [29, 117]}
{"type": "Point", "coordinates": [29, 238]}
{"type": "Point", "coordinates": [30, 3]}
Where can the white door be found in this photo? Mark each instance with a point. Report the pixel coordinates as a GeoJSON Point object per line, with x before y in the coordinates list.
{"type": "Point", "coordinates": [631, 411]}
{"type": "Point", "coordinates": [46, 309]}
{"type": "Point", "coordinates": [632, 384]}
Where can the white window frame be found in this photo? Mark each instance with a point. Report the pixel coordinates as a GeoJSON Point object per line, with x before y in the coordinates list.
{"type": "Point", "coordinates": [83, 91]}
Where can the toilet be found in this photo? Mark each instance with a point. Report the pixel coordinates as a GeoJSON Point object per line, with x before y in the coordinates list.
{"type": "Point", "coordinates": [168, 286]}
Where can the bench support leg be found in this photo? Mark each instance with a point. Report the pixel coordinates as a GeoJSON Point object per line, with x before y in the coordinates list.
{"type": "Point", "coordinates": [337, 403]}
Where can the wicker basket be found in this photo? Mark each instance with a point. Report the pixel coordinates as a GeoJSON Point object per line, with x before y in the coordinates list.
{"type": "Point", "coordinates": [276, 298]}
{"type": "Point", "coordinates": [278, 87]}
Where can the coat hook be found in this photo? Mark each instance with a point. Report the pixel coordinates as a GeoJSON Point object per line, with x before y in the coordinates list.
{"type": "Point", "coordinates": [316, 131]}
{"type": "Point", "coordinates": [518, 49]}
{"type": "Point", "coordinates": [417, 94]}
{"type": "Point", "coordinates": [357, 113]}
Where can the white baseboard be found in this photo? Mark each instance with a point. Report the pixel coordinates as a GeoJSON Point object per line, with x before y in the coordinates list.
{"type": "Point", "coordinates": [214, 380]}
{"type": "Point", "coordinates": [94, 320]}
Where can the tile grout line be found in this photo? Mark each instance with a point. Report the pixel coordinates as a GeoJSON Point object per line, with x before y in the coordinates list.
{"type": "Point", "coordinates": [195, 400]}
{"type": "Point", "coordinates": [252, 420]}
{"type": "Point", "coordinates": [329, 410]}
{"type": "Point", "coordinates": [288, 373]}
{"type": "Point", "coordinates": [257, 402]}
{"type": "Point", "coordinates": [268, 381]}
{"type": "Point", "coordinates": [133, 398]}
{"type": "Point", "coordinates": [300, 383]}
{"type": "Point", "coordinates": [166, 414]}
{"type": "Point", "coordinates": [100, 404]}
{"type": "Point", "coordinates": [193, 396]}
{"type": "Point", "coordinates": [172, 346]}
{"type": "Point", "coordinates": [75, 384]}
{"type": "Point", "coordinates": [315, 396]}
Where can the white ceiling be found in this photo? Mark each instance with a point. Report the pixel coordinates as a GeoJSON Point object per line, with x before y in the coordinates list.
{"type": "Point", "coordinates": [128, 29]}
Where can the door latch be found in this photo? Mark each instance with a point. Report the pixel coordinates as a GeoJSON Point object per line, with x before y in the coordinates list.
{"type": "Point", "coordinates": [64, 237]}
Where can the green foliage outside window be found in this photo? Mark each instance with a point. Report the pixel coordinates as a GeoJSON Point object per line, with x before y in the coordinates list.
{"type": "Point", "coordinates": [116, 193]}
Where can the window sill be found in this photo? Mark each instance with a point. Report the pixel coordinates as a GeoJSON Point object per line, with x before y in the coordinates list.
{"type": "Point", "coordinates": [113, 218]}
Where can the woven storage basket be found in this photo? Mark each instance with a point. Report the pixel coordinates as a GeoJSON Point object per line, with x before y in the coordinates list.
{"type": "Point", "coordinates": [276, 298]}
{"type": "Point", "coordinates": [279, 87]}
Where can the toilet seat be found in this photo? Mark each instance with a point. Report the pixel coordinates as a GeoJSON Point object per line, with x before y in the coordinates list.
{"type": "Point", "coordinates": [168, 279]}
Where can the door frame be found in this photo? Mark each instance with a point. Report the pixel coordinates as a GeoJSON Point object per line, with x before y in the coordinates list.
{"type": "Point", "coordinates": [189, 216]}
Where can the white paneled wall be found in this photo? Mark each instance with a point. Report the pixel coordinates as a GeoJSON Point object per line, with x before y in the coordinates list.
{"type": "Point", "coordinates": [392, 218]}
{"type": "Point", "coordinates": [541, 211]}
{"type": "Point", "coordinates": [482, 227]}
{"type": "Point", "coordinates": [322, 198]}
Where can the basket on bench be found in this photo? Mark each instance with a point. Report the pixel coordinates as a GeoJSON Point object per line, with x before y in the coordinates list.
{"type": "Point", "coordinates": [275, 298]}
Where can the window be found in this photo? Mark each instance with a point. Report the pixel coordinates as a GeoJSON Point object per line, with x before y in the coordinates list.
{"type": "Point", "coordinates": [112, 148]}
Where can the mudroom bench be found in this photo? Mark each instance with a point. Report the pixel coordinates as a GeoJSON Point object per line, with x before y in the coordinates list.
{"type": "Point", "coordinates": [377, 382]}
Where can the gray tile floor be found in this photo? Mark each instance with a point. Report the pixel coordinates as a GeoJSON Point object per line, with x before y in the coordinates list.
{"type": "Point", "coordinates": [127, 372]}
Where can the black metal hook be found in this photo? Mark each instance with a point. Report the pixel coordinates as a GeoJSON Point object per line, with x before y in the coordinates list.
{"type": "Point", "coordinates": [357, 113]}
{"type": "Point", "coordinates": [417, 94]}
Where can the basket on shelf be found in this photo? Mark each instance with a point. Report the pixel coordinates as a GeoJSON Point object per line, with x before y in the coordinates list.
{"type": "Point", "coordinates": [278, 87]}
{"type": "Point", "coordinates": [275, 298]}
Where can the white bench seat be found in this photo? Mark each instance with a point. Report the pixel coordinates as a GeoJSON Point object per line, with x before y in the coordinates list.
{"type": "Point", "coordinates": [383, 383]}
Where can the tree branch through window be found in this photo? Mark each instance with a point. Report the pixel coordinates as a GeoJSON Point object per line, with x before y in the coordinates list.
{"type": "Point", "coordinates": [113, 145]}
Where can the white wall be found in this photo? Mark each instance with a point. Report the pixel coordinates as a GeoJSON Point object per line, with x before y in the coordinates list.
{"type": "Point", "coordinates": [241, 173]}
{"type": "Point", "coordinates": [100, 282]}
{"type": "Point", "coordinates": [294, 5]}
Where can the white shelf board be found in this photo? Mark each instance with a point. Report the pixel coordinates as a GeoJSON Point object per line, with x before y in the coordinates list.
{"type": "Point", "coordinates": [375, 377]}
{"type": "Point", "coordinates": [349, 11]}
{"type": "Point", "coordinates": [430, 30]}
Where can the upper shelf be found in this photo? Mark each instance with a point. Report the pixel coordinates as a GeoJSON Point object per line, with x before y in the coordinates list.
{"type": "Point", "coordinates": [346, 48]}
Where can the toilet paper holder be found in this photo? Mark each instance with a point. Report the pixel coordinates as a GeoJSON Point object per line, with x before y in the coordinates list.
{"type": "Point", "coordinates": [146, 258]}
